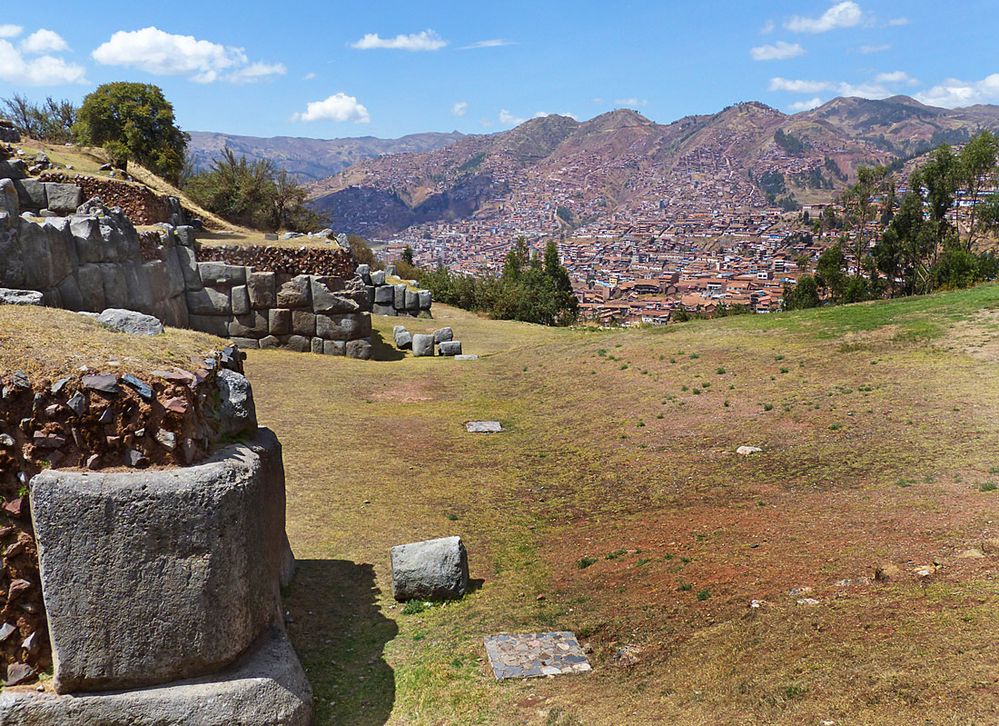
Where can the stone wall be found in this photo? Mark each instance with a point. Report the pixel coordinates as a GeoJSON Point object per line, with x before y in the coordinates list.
{"type": "Point", "coordinates": [291, 261]}
{"type": "Point", "coordinates": [393, 299]}
{"type": "Point", "coordinates": [94, 259]}
{"type": "Point", "coordinates": [139, 203]}
{"type": "Point", "coordinates": [327, 315]}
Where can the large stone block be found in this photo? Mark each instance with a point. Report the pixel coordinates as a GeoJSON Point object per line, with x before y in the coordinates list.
{"type": "Point", "coordinates": [140, 287]}
{"type": "Point", "coordinates": [412, 300]}
{"type": "Point", "coordinates": [384, 309]}
{"type": "Point", "coordinates": [378, 278]}
{"type": "Point", "coordinates": [385, 294]}
{"type": "Point", "coordinates": [240, 300]}
{"type": "Point", "coordinates": [329, 295]}
{"type": "Point", "coordinates": [63, 198]}
{"type": "Point", "coordinates": [343, 327]}
{"type": "Point", "coordinates": [189, 266]}
{"type": "Point", "coordinates": [279, 321]}
{"type": "Point", "coordinates": [359, 349]}
{"type": "Point", "coordinates": [131, 322]}
{"type": "Point", "coordinates": [426, 300]}
{"type": "Point", "coordinates": [211, 324]}
{"type": "Point", "coordinates": [251, 325]}
{"type": "Point", "coordinates": [423, 345]}
{"type": "Point", "coordinates": [115, 285]}
{"type": "Point", "coordinates": [435, 569]}
{"type": "Point", "coordinates": [91, 283]}
{"type": "Point", "coordinates": [154, 576]}
{"type": "Point", "coordinates": [262, 289]}
{"type": "Point", "coordinates": [334, 347]}
{"type": "Point", "coordinates": [450, 348]}
{"type": "Point", "coordinates": [295, 293]}
{"type": "Point", "coordinates": [209, 301]}
{"type": "Point", "coordinates": [13, 169]}
{"type": "Point", "coordinates": [299, 343]}
{"type": "Point", "coordinates": [9, 201]}
{"type": "Point", "coordinates": [303, 323]}
{"type": "Point", "coordinates": [266, 687]}
{"type": "Point", "coordinates": [31, 194]}
{"type": "Point", "coordinates": [399, 298]}
{"type": "Point", "coordinates": [86, 232]}
{"type": "Point", "coordinates": [221, 274]}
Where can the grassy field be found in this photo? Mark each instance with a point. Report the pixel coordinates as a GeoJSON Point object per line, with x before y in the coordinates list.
{"type": "Point", "coordinates": [614, 505]}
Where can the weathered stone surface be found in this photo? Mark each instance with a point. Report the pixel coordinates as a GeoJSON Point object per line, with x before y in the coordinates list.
{"type": "Point", "coordinates": [267, 686]}
{"type": "Point", "coordinates": [423, 345]}
{"type": "Point", "coordinates": [219, 273]}
{"type": "Point", "coordinates": [483, 427]}
{"type": "Point", "coordinates": [450, 347]}
{"type": "Point", "coordinates": [295, 293]}
{"type": "Point", "coordinates": [269, 341]}
{"type": "Point", "coordinates": [240, 300]}
{"type": "Point", "coordinates": [435, 569]}
{"type": "Point", "coordinates": [9, 201]}
{"type": "Point", "coordinates": [412, 300]}
{"type": "Point", "coordinates": [237, 411]}
{"type": "Point", "coordinates": [403, 338]}
{"type": "Point", "coordinates": [63, 198]}
{"type": "Point", "coordinates": [19, 297]}
{"type": "Point", "coordinates": [378, 278]}
{"type": "Point", "coordinates": [748, 450]}
{"type": "Point", "coordinates": [279, 321]}
{"type": "Point", "coordinates": [150, 577]}
{"type": "Point", "coordinates": [385, 294]}
{"type": "Point", "coordinates": [334, 347]}
{"type": "Point", "coordinates": [533, 655]}
{"type": "Point", "coordinates": [343, 327]}
{"type": "Point", "coordinates": [426, 300]}
{"type": "Point", "coordinates": [189, 267]}
{"type": "Point", "coordinates": [299, 343]}
{"type": "Point", "coordinates": [13, 169]}
{"type": "Point", "coordinates": [443, 334]}
{"type": "Point", "coordinates": [364, 272]}
{"type": "Point", "coordinates": [251, 325]}
{"type": "Point", "coordinates": [303, 323]}
{"type": "Point", "coordinates": [327, 299]}
{"type": "Point", "coordinates": [209, 301]}
{"type": "Point", "coordinates": [317, 345]}
{"type": "Point", "coordinates": [386, 309]}
{"type": "Point", "coordinates": [131, 322]}
{"type": "Point", "coordinates": [400, 297]}
{"type": "Point", "coordinates": [262, 288]}
{"type": "Point", "coordinates": [212, 324]}
{"type": "Point", "coordinates": [359, 349]}
{"type": "Point", "coordinates": [31, 194]}
{"type": "Point", "coordinates": [466, 356]}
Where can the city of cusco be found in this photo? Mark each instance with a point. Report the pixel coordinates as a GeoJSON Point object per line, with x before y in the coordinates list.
{"type": "Point", "coordinates": [541, 364]}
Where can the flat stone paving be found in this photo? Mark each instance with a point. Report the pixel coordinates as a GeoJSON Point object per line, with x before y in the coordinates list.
{"type": "Point", "coordinates": [483, 427]}
{"type": "Point", "coordinates": [532, 655]}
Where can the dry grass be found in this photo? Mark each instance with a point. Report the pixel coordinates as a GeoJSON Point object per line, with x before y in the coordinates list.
{"type": "Point", "coordinates": [880, 430]}
{"type": "Point", "coordinates": [48, 342]}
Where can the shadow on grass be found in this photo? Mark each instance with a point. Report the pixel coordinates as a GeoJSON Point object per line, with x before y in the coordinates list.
{"type": "Point", "coordinates": [382, 349]}
{"type": "Point", "coordinates": [340, 634]}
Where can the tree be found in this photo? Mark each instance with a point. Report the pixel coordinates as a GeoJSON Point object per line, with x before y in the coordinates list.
{"type": "Point", "coordinates": [829, 271]}
{"type": "Point", "coordinates": [407, 255]}
{"type": "Point", "coordinates": [803, 295]}
{"type": "Point", "coordinates": [978, 169]}
{"type": "Point", "coordinates": [140, 119]}
{"type": "Point", "coordinates": [51, 121]}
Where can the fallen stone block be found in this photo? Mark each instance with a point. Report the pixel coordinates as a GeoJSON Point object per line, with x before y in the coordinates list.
{"type": "Point", "coordinates": [130, 322]}
{"type": "Point", "coordinates": [238, 413]}
{"type": "Point", "coordinates": [63, 198]}
{"type": "Point", "coordinates": [423, 345]}
{"type": "Point", "coordinates": [443, 335]}
{"type": "Point", "coordinates": [402, 337]}
{"type": "Point", "coordinates": [466, 356]}
{"type": "Point", "coordinates": [359, 349]}
{"type": "Point", "coordinates": [435, 569]}
{"type": "Point", "coordinates": [450, 348]}
{"type": "Point", "coordinates": [19, 297]}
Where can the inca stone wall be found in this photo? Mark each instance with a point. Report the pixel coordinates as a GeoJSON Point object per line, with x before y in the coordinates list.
{"type": "Point", "coordinates": [393, 299]}
{"type": "Point", "coordinates": [94, 259]}
{"type": "Point", "coordinates": [139, 203]}
{"type": "Point", "coordinates": [292, 261]}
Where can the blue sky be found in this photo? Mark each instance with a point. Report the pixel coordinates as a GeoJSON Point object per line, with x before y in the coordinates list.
{"type": "Point", "coordinates": [333, 69]}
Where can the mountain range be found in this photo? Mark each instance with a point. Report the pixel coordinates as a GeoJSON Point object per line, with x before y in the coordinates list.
{"type": "Point", "coordinates": [621, 163]}
{"type": "Point", "coordinates": [309, 159]}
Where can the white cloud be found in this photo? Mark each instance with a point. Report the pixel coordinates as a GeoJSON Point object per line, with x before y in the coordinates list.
{"type": "Point", "coordinates": [460, 108]}
{"type": "Point", "coordinates": [798, 86]}
{"type": "Point", "coordinates": [953, 93]}
{"type": "Point", "coordinates": [155, 51]}
{"type": "Point", "coordinates": [895, 22]}
{"type": "Point", "coordinates": [508, 119]}
{"type": "Point", "coordinates": [45, 70]}
{"type": "Point", "coordinates": [807, 105]}
{"type": "Point", "coordinates": [338, 107]}
{"type": "Point", "coordinates": [841, 15]}
{"type": "Point", "coordinates": [781, 50]}
{"type": "Point", "coordinates": [630, 102]}
{"type": "Point", "coordinates": [44, 41]}
{"type": "Point", "coordinates": [542, 114]}
{"type": "Point", "coordinates": [424, 40]}
{"type": "Point", "coordinates": [10, 31]}
{"type": "Point", "coordinates": [768, 27]}
{"type": "Point", "coordinates": [896, 77]}
{"type": "Point", "coordinates": [490, 43]}
{"type": "Point", "coordinates": [257, 72]}
{"type": "Point", "coordinates": [868, 49]}
{"type": "Point", "coordinates": [310, 76]}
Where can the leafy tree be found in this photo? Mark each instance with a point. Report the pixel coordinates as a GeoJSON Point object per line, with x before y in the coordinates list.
{"type": "Point", "coordinates": [829, 271]}
{"type": "Point", "coordinates": [51, 121]}
{"type": "Point", "coordinates": [407, 255]}
{"type": "Point", "coordinates": [978, 169]}
{"type": "Point", "coordinates": [140, 119]}
{"type": "Point", "coordinates": [803, 295]}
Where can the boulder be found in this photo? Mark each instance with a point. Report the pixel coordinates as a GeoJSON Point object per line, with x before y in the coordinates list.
{"type": "Point", "coordinates": [325, 297]}
{"type": "Point", "coordinates": [403, 338]}
{"type": "Point", "coordinates": [443, 334]}
{"type": "Point", "coordinates": [378, 278]}
{"type": "Point", "coordinates": [748, 450]}
{"type": "Point", "coordinates": [19, 297]}
{"type": "Point", "coordinates": [209, 301]}
{"type": "Point", "coordinates": [435, 569]}
{"type": "Point", "coordinates": [425, 299]}
{"type": "Point", "coordinates": [387, 309]}
{"type": "Point", "coordinates": [237, 412]}
{"type": "Point", "coordinates": [450, 348]}
{"type": "Point", "coordinates": [219, 273]}
{"type": "Point", "coordinates": [483, 427]}
{"type": "Point", "coordinates": [334, 347]}
{"type": "Point", "coordinates": [13, 169]}
{"type": "Point", "coordinates": [359, 349]}
{"type": "Point", "coordinates": [343, 327]}
{"type": "Point", "coordinates": [423, 345]}
{"type": "Point", "coordinates": [131, 322]}
{"type": "Point", "coordinates": [385, 295]}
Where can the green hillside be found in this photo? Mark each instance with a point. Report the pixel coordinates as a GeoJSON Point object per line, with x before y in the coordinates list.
{"type": "Point", "coordinates": [615, 506]}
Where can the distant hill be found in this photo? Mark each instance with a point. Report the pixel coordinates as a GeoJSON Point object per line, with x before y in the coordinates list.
{"type": "Point", "coordinates": [621, 163]}
{"type": "Point", "coordinates": [311, 159]}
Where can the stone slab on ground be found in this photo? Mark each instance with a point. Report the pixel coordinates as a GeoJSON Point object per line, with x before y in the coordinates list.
{"type": "Point", "coordinates": [466, 356]}
{"type": "Point", "coordinates": [20, 297]}
{"type": "Point", "coordinates": [532, 655]}
{"type": "Point", "coordinates": [131, 322]}
{"type": "Point", "coordinates": [483, 427]}
{"type": "Point", "coordinates": [266, 687]}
